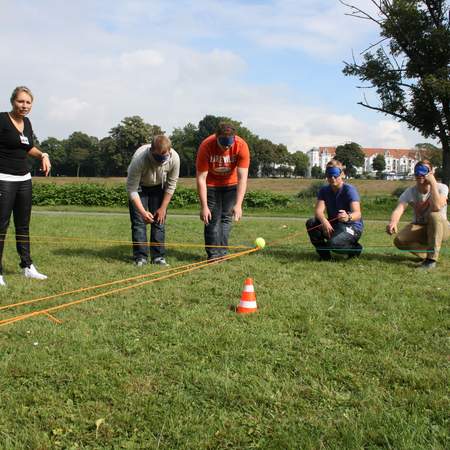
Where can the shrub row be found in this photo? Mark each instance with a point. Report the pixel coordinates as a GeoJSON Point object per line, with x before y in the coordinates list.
{"type": "Point", "coordinates": [110, 196]}
{"type": "Point", "coordinates": [115, 195]}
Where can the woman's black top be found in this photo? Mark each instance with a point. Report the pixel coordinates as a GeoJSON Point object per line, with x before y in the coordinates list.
{"type": "Point", "coordinates": [14, 146]}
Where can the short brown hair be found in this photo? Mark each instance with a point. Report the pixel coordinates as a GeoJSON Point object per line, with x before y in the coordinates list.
{"type": "Point", "coordinates": [18, 90]}
{"type": "Point", "coordinates": [161, 142]}
{"type": "Point", "coordinates": [225, 128]}
{"type": "Point", "coordinates": [336, 163]}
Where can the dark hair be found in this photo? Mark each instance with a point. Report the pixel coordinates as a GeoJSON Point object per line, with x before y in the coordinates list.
{"type": "Point", "coordinates": [225, 128]}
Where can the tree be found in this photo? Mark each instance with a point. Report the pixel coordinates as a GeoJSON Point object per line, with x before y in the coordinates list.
{"type": "Point", "coordinates": [410, 69]}
{"type": "Point", "coordinates": [433, 154]}
{"type": "Point", "coordinates": [316, 172]}
{"type": "Point", "coordinates": [185, 142]}
{"type": "Point", "coordinates": [55, 148]}
{"type": "Point", "coordinates": [351, 155]}
{"type": "Point", "coordinates": [300, 161]}
{"type": "Point", "coordinates": [78, 147]}
{"type": "Point", "coordinates": [128, 136]}
{"type": "Point", "coordinates": [379, 164]}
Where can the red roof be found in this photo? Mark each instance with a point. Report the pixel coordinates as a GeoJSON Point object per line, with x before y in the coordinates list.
{"type": "Point", "coordinates": [368, 152]}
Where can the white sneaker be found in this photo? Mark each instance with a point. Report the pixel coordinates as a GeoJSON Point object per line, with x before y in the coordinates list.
{"type": "Point", "coordinates": [31, 272]}
{"type": "Point", "coordinates": [2, 281]}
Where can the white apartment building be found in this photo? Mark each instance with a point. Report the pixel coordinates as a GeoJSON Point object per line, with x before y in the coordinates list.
{"type": "Point", "coordinates": [399, 162]}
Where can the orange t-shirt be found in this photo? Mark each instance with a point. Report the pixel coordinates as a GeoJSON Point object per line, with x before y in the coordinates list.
{"type": "Point", "coordinates": [222, 165]}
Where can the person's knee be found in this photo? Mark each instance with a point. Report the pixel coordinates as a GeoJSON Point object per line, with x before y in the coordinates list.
{"type": "Point", "coordinates": [310, 223]}
{"type": "Point", "coordinates": [398, 242]}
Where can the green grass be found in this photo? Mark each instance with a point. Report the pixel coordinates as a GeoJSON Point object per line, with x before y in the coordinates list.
{"type": "Point", "coordinates": [347, 354]}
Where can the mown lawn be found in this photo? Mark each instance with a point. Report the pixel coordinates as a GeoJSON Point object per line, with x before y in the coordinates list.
{"type": "Point", "coordinates": [347, 354]}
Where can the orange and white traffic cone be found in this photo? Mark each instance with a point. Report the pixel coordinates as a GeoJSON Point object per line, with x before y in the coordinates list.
{"type": "Point", "coordinates": [248, 298]}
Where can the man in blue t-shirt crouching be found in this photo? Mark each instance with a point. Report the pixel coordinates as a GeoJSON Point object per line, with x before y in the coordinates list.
{"type": "Point", "coordinates": [341, 228]}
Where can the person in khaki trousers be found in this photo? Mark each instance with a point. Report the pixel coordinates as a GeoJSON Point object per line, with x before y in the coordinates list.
{"type": "Point", "coordinates": [428, 198]}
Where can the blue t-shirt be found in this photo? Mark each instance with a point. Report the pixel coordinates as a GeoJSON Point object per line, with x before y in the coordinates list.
{"type": "Point", "coordinates": [341, 199]}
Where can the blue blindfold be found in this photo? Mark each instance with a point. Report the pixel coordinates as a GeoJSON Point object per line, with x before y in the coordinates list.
{"type": "Point", "coordinates": [226, 141]}
{"type": "Point", "coordinates": [421, 170]}
{"type": "Point", "coordinates": [161, 159]}
{"type": "Point", "coordinates": [332, 172]}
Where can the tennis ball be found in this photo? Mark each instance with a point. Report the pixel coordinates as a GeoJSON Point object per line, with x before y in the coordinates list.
{"type": "Point", "coordinates": [260, 243]}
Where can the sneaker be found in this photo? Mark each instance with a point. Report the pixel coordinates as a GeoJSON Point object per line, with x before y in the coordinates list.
{"type": "Point", "coordinates": [355, 252]}
{"type": "Point", "coordinates": [31, 272]}
{"type": "Point", "coordinates": [140, 262]}
{"type": "Point", "coordinates": [159, 261]}
{"type": "Point", "coordinates": [2, 281]}
{"type": "Point", "coordinates": [428, 264]}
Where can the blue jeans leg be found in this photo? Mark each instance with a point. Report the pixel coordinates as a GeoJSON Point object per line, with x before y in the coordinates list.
{"type": "Point", "coordinates": [139, 229]}
{"type": "Point", "coordinates": [317, 238]}
{"type": "Point", "coordinates": [157, 230]}
{"type": "Point", "coordinates": [345, 239]}
{"type": "Point", "coordinates": [221, 201]}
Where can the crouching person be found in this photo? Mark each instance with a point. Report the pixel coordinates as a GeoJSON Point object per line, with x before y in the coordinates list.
{"type": "Point", "coordinates": [429, 228]}
{"type": "Point", "coordinates": [337, 223]}
{"type": "Point", "coordinates": [151, 181]}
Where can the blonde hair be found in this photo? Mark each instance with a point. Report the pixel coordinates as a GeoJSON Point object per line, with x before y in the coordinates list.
{"type": "Point", "coordinates": [18, 90]}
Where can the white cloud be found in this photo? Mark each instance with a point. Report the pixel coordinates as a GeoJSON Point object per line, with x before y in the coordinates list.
{"type": "Point", "coordinates": [141, 58]}
{"type": "Point", "coordinates": [90, 64]}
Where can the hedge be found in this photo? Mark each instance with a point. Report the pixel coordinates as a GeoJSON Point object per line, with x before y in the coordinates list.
{"type": "Point", "coordinates": [104, 195]}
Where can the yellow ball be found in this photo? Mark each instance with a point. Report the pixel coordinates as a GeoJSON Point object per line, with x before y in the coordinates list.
{"type": "Point", "coordinates": [260, 243]}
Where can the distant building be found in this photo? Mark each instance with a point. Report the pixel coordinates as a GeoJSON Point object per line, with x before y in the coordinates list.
{"type": "Point", "coordinates": [400, 162]}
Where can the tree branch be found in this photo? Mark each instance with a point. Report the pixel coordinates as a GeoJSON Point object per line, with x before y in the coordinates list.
{"type": "Point", "coordinates": [359, 13]}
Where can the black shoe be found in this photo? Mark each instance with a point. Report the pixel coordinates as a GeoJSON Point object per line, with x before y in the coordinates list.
{"type": "Point", "coordinates": [355, 251]}
{"type": "Point", "coordinates": [428, 264]}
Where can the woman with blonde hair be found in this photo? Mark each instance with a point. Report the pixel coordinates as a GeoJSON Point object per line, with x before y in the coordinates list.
{"type": "Point", "coordinates": [16, 143]}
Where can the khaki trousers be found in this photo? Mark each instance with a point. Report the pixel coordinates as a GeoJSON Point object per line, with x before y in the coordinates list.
{"type": "Point", "coordinates": [429, 237]}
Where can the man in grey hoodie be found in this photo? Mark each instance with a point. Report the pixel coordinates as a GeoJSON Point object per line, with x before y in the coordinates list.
{"type": "Point", "coordinates": [151, 181]}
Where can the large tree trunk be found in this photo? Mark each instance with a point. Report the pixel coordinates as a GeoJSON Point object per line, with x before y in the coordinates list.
{"type": "Point", "coordinates": [445, 141]}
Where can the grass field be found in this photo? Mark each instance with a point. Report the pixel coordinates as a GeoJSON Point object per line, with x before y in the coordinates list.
{"type": "Point", "coordinates": [346, 354]}
{"type": "Point", "coordinates": [289, 186]}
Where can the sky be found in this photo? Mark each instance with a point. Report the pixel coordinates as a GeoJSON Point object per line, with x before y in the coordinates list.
{"type": "Point", "coordinates": [274, 65]}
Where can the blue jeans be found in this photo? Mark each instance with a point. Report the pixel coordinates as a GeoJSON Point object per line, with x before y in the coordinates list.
{"type": "Point", "coordinates": [221, 201]}
{"type": "Point", "coordinates": [15, 198]}
{"type": "Point", "coordinates": [151, 198]}
{"type": "Point", "coordinates": [344, 239]}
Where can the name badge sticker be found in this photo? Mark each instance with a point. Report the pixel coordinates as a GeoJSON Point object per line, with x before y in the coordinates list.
{"type": "Point", "coordinates": [349, 231]}
{"type": "Point", "coordinates": [24, 140]}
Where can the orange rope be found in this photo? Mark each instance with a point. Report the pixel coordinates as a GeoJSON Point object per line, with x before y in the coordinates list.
{"type": "Point", "coordinates": [114, 291]}
{"type": "Point", "coordinates": [88, 288]}
{"type": "Point", "coordinates": [57, 240]}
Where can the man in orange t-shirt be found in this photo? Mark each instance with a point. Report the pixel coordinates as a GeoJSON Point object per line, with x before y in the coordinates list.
{"type": "Point", "coordinates": [222, 171]}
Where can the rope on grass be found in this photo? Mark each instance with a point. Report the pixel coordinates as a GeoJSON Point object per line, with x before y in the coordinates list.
{"type": "Point", "coordinates": [57, 240]}
{"type": "Point", "coordinates": [52, 309]}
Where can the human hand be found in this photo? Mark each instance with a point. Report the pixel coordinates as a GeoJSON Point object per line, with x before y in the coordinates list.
{"type": "Point", "coordinates": [430, 178]}
{"type": "Point", "coordinates": [147, 216]}
{"type": "Point", "coordinates": [342, 216]}
{"type": "Point", "coordinates": [327, 228]}
{"type": "Point", "coordinates": [45, 164]}
{"type": "Point", "coordinates": [391, 228]}
{"type": "Point", "coordinates": [160, 215]}
{"type": "Point", "coordinates": [205, 215]}
{"type": "Point", "coordinates": [237, 213]}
